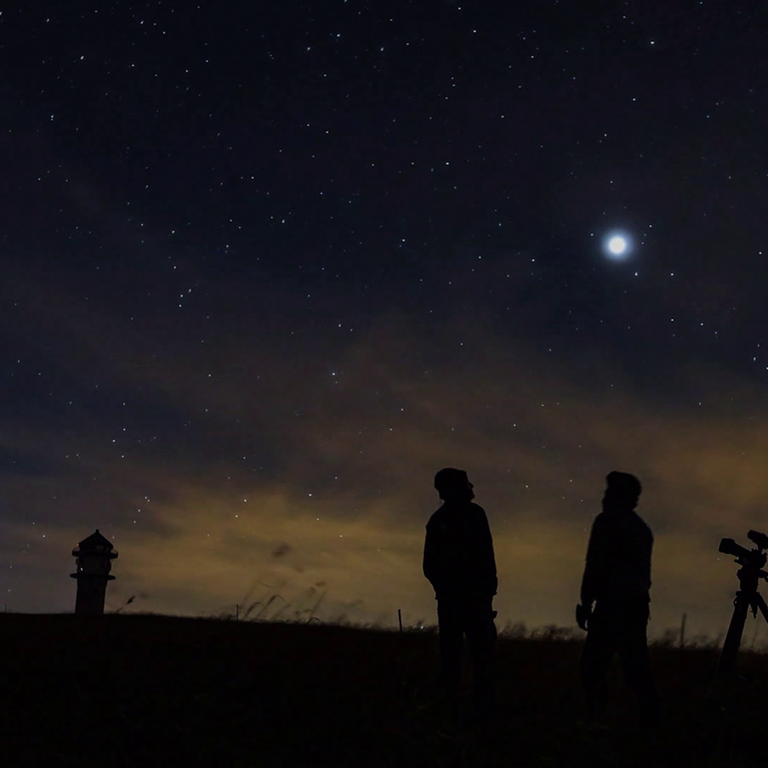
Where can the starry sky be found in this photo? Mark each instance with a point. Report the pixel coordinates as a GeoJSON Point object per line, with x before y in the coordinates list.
{"type": "Point", "coordinates": [267, 267]}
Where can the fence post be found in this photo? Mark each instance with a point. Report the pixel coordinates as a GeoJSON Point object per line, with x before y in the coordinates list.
{"type": "Point", "coordinates": [400, 619]}
{"type": "Point", "coordinates": [682, 631]}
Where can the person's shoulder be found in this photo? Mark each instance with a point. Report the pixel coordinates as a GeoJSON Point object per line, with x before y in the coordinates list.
{"type": "Point", "coordinates": [435, 517]}
{"type": "Point", "coordinates": [641, 523]}
{"type": "Point", "coordinates": [477, 515]}
{"type": "Point", "coordinates": [606, 522]}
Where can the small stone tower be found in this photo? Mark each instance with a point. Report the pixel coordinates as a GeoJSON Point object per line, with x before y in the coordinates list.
{"type": "Point", "coordinates": [94, 558]}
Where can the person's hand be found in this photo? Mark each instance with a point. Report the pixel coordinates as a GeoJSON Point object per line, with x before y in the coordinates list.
{"type": "Point", "coordinates": [583, 614]}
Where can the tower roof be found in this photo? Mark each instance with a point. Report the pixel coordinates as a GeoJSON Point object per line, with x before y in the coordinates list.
{"type": "Point", "coordinates": [95, 540]}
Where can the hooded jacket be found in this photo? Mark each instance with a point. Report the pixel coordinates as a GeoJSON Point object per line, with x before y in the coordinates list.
{"type": "Point", "coordinates": [458, 553]}
{"type": "Point", "coordinates": [618, 563]}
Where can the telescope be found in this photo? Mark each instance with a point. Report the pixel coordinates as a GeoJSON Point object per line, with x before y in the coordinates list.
{"type": "Point", "coordinates": [730, 547]}
{"type": "Point", "coordinates": [752, 562]}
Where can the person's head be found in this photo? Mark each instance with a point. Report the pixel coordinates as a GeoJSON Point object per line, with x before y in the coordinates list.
{"type": "Point", "coordinates": [453, 485]}
{"type": "Point", "coordinates": [622, 491]}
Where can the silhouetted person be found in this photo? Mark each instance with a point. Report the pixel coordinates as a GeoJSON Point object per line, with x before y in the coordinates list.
{"type": "Point", "coordinates": [459, 563]}
{"type": "Point", "coordinates": [617, 578]}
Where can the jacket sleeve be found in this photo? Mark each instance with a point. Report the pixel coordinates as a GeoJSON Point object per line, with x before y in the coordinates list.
{"type": "Point", "coordinates": [487, 556]}
{"type": "Point", "coordinates": [597, 559]}
{"type": "Point", "coordinates": [430, 564]}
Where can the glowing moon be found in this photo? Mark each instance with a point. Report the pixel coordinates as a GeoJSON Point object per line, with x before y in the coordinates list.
{"type": "Point", "coordinates": [617, 245]}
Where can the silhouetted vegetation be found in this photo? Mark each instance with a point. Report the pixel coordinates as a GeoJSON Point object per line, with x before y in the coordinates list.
{"type": "Point", "coordinates": [143, 690]}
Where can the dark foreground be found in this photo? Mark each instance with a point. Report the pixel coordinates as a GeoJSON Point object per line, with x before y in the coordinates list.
{"type": "Point", "coordinates": [153, 690]}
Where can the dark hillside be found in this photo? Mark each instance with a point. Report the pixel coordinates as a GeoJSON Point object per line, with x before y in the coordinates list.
{"type": "Point", "coordinates": [154, 690]}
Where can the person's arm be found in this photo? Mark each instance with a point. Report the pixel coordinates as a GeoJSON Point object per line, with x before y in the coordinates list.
{"type": "Point", "coordinates": [650, 559]}
{"type": "Point", "coordinates": [597, 556]}
{"type": "Point", "coordinates": [430, 562]}
{"type": "Point", "coordinates": [487, 555]}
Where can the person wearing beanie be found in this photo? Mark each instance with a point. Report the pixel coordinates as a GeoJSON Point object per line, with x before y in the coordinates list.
{"type": "Point", "coordinates": [459, 563]}
{"type": "Point", "coordinates": [617, 582]}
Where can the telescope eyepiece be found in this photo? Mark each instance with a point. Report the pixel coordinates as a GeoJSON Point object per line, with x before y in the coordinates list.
{"type": "Point", "coordinates": [758, 538]}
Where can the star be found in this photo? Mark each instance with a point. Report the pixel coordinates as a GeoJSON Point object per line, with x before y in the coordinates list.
{"type": "Point", "coordinates": [617, 246]}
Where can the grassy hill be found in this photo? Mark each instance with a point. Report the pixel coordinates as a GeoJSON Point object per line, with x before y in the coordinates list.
{"type": "Point", "coordinates": [134, 690]}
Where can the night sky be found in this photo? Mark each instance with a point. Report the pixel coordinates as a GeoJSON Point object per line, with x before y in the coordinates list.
{"type": "Point", "coordinates": [268, 266]}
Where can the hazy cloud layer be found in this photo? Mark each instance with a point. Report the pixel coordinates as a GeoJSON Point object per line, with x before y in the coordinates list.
{"type": "Point", "coordinates": [330, 462]}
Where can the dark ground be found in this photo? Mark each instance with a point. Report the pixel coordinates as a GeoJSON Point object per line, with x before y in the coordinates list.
{"type": "Point", "coordinates": [154, 690]}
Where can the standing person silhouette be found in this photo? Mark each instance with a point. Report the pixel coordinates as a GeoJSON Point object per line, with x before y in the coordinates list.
{"type": "Point", "coordinates": [460, 564]}
{"type": "Point", "coordinates": [617, 578]}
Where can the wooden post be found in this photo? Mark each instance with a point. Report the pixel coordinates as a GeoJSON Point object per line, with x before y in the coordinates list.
{"type": "Point", "coordinates": [400, 619]}
{"type": "Point", "coordinates": [682, 631]}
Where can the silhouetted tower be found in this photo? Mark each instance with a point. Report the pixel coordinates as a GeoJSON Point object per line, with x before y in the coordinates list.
{"type": "Point", "coordinates": [94, 562]}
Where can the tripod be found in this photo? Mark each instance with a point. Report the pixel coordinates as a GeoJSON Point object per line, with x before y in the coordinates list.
{"type": "Point", "coordinates": [747, 598]}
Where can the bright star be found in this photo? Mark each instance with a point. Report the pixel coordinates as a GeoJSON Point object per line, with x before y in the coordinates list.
{"type": "Point", "coordinates": [617, 246]}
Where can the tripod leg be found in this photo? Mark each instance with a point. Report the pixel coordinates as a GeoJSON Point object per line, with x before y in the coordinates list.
{"type": "Point", "coordinates": [760, 603]}
{"type": "Point", "coordinates": [727, 664]}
